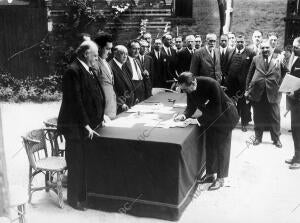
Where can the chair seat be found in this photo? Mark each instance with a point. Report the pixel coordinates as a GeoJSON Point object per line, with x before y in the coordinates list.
{"type": "Point", "coordinates": [17, 196]}
{"type": "Point", "coordinates": [53, 163]}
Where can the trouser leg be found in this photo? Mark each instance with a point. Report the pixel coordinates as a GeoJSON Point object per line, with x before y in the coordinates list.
{"type": "Point", "coordinates": [274, 121]}
{"type": "Point", "coordinates": [295, 124]}
{"type": "Point", "coordinates": [211, 156]}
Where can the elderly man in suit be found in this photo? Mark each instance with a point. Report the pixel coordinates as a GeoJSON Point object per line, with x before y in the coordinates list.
{"type": "Point", "coordinates": [81, 111]}
{"type": "Point", "coordinates": [104, 72]}
{"type": "Point", "coordinates": [206, 61]}
{"type": "Point", "coordinates": [158, 78]}
{"type": "Point", "coordinates": [136, 73]}
{"type": "Point", "coordinates": [236, 81]}
{"type": "Point", "coordinates": [219, 117]}
{"type": "Point", "coordinates": [123, 85]}
{"type": "Point", "coordinates": [262, 85]}
{"type": "Point", "coordinates": [185, 55]}
{"type": "Point", "coordinates": [225, 57]}
{"type": "Point", "coordinates": [147, 66]}
{"type": "Point", "coordinates": [294, 98]}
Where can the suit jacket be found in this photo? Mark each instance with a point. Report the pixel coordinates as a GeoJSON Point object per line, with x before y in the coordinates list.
{"type": "Point", "coordinates": [158, 78]}
{"type": "Point", "coordinates": [123, 86]}
{"type": "Point", "coordinates": [204, 65]}
{"type": "Point", "coordinates": [238, 71]}
{"type": "Point", "coordinates": [260, 78]}
{"type": "Point", "coordinates": [170, 65]}
{"type": "Point", "coordinates": [225, 63]}
{"type": "Point", "coordinates": [83, 102]}
{"type": "Point", "coordinates": [184, 60]}
{"type": "Point", "coordinates": [147, 65]}
{"type": "Point", "coordinates": [295, 71]}
{"type": "Point", "coordinates": [218, 111]}
{"type": "Point", "coordinates": [139, 85]}
{"type": "Point", "coordinates": [107, 82]}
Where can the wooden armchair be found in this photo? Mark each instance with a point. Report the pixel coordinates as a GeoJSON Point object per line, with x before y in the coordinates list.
{"type": "Point", "coordinates": [40, 162]}
{"type": "Point", "coordinates": [57, 141]}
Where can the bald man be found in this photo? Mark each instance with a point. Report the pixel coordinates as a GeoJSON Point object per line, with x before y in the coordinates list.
{"type": "Point", "coordinates": [206, 61]}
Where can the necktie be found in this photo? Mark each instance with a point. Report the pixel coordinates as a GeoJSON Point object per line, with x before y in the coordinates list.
{"type": "Point", "coordinates": [266, 63]}
{"type": "Point", "coordinates": [169, 52]}
{"type": "Point", "coordinates": [239, 52]}
{"type": "Point", "coordinates": [91, 72]}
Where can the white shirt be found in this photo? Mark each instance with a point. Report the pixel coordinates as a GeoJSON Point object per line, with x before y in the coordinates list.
{"type": "Point", "coordinates": [118, 63]}
{"type": "Point", "coordinates": [168, 50]}
{"type": "Point", "coordinates": [84, 65]}
{"type": "Point", "coordinates": [156, 53]}
{"type": "Point", "coordinates": [240, 51]}
{"type": "Point", "coordinates": [223, 50]}
{"type": "Point", "coordinates": [136, 73]}
{"type": "Point", "coordinates": [210, 53]}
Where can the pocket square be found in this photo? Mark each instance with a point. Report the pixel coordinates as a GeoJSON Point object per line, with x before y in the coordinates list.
{"type": "Point", "coordinates": [297, 68]}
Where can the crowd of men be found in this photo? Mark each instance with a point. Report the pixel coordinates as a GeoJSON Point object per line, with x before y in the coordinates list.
{"type": "Point", "coordinates": [105, 80]}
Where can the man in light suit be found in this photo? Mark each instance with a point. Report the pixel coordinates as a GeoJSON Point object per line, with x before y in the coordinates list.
{"type": "Point", "coordinates": [262, 85]}
{"type": "Point", "coordinates": [257, 37]}
{"type": "Point", "coordinates": [123, 85]}
{"type": "Point", "coordinates": [206, 61]}
{"type": "Point", "coordinates": [81, 111]}
{"type": "Point", "coordinates": [294, 99]}
{"type": "Point", "coordinates": [104, 72]}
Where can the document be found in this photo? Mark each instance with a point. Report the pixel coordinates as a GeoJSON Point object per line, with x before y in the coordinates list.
{"type": "Point", "coordinates": [290, 84]}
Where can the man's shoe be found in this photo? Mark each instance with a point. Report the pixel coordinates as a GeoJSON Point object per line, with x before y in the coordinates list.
{"type": "Point", "coordinates": [244, 128]}
{"type": "Point", "coordinates": [289, 161]}
{"type": "Point", "coordinates": [207, 179]}
{"type": "Point", "coordinates": [278, 144]}
{"type": "Point", "coordinates": [219, 182]}
{"type": "Point", "coordinates": [294, 166]}
{"type": "Point", "coordinates": [256, 142]}
{"type": "Point", "coordinates": [78, 206]}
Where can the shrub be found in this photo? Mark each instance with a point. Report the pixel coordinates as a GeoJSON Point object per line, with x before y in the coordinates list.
{"type": "Point", "coordinates": [34, 89]}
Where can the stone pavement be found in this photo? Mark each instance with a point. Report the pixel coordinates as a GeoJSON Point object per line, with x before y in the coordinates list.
{"type": "Point", "coordinates": [260, 189]}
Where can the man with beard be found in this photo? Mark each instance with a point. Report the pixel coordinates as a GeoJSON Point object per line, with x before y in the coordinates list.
{"type": "Point", "coordinates": [237, 74]}
{"type": "Point", "coordinates": [206, 61]}
{"type": "Point", "coordinates": [294, 99]}
{"type": "Point", "coordinates": [185, 55]}
{"type": "Point", "coordinates": [262, 85]}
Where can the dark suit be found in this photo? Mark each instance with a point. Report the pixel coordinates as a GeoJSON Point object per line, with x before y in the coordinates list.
{"type": "Point", "coordinates": [82, 104]}
{"type": "Point", "coordinates": [184, 60]}
{"type": "Point", "coordinates": [236, 82]}
{"type": "Point", "coordinates": [204, 65]}
{"type": "Point", "coordinates": [219, 117]}
{"type": "Point", "coordinates": [295, 111]}
{"type": "Point", "coordinates": [123, 86]}
{"type": "Point", "coordinates": [139, 85]}
{"type": "Point", "coordinates": [225, 60]}
{"type": "Point", "coordinates": [158, 79]}
{"type": "Point", "coordinates": [147, 64]}
{"type": "Point", "coordinates": [262, 84]}
{"type": "Point", "coordinates": [170, 66]}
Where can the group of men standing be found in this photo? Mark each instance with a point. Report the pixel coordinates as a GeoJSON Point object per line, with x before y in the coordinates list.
{"type": "Point", "coordinates": [98, 86]}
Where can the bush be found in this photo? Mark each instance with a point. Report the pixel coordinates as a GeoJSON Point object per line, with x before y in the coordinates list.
{"type": "Point", "coordinates": [34, 89]}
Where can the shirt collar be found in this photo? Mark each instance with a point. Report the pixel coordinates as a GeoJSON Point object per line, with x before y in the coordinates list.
{"type": "Point", "coordinates": [118, 63]}
{"type": "Point", "coordinates": [241, 51]}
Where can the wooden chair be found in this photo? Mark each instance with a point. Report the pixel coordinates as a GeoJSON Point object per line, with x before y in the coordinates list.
{"type": "Point", "coordinates": [17, 200]}
{"type": "Point", "coordinates": [40, 162]}
{"type": "Point", "coordinates": [57, 141]}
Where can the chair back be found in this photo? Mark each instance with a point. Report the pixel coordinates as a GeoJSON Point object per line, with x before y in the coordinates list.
{"type": "Point", "coordinates": [35, 145]}
{"type": "Point", "coordinates": [54, 139]}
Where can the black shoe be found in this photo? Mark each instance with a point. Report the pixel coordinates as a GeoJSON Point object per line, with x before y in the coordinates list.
{"type": "Point", "coordinates": [219, 182]}
{"type": "Point", "coordinates": [244, 128]}
{"type": "Point", "coordinates": [78, 206]}
{"type": "Point", "coordinates": [256, 142]}
{"type": "Point", "coordinates": [289, 161]}
{"type": "Point", "coordinates": [207, 179]}
{"type": "Point", "coordinates": [294, 166]}
{"type": "Point", "coordinates": [277, 144]}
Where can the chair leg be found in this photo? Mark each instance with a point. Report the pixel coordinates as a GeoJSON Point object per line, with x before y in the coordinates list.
{"type": "Point", "coordinates": [29, 185]}
{"type": "Point", "coordinates": [47, 178]}
{"type": "Point", "coordinates": [59, 190]}
{"type": "Point", "coordinates": [21, 213]}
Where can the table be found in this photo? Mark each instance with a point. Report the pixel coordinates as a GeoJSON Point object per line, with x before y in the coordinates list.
{"type": "Point", "coordinates": [150, 176]}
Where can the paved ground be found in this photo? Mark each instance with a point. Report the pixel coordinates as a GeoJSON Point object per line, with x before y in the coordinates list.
{"type": "Point", "coordinates": [260, 189]}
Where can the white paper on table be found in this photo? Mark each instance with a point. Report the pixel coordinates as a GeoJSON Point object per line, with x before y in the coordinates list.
{"type": "Point", "coordinates": [170, 123]}
{"type": "Point", "coordinates": [157, 108]}
{"type": "Point", "coordinates": [290, 84]}
{"type": "Point", "coordinates": [121, 122]}
{"type": "Point", "coordinates": [179, 105]}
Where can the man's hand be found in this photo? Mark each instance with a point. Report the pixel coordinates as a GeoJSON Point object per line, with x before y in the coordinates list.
{"type": "Point", "coordinates": [179, 117]}
{"type": "Point", "coordinates": [125, 107]}
{"type": "Point", "coordinates": [91, 132]}
{"type": "Point", "coordinates": [146, 73]}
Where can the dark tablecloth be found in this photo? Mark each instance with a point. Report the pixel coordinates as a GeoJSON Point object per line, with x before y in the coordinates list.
{"type": "Point", "coordinates": [150, 176]}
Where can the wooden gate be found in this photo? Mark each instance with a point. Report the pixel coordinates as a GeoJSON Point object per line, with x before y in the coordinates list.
{"type": "Point", "coordinates": [21, 30]}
